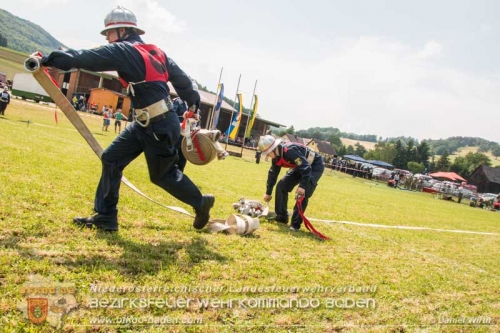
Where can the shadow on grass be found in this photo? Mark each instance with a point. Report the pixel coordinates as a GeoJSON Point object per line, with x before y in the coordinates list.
{"type": "Point", "coordinates": [136, 259]}
{"type": "Point", "coordinates": [143, 258]}
{"type": "Point", "coordinates": [302, 233]}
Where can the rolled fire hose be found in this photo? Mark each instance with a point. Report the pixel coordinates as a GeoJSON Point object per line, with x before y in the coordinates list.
{"type": "Point", "coordinates": [201, 151]}
{"type": "Point", "coordinates": [238, 224]}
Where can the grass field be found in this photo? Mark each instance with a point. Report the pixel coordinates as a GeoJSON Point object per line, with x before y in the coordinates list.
{"type": "Point", "coordinates": [400, 280]}
{"type": "Point", "coordinates": [11, 62]}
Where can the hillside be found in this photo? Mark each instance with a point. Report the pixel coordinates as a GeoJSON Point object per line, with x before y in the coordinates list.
{"type": "Point", "coordinates": [465, 150]}
{"type": "Point", "coordinates": [25, 36]}
{"type": "Point", "coordinates": [349, 142]}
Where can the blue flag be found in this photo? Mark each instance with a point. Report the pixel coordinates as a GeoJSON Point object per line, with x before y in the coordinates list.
{"type": "Point", "coordinates": [220, 95]}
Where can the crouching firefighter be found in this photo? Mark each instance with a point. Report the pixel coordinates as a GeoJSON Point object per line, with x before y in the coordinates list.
{"type": "Point", "coordinates": [144, 70]}
{"type": "Point", "coordinates": [306, 168]}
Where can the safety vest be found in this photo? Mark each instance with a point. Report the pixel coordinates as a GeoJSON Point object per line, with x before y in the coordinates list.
{"type": "Point", "coordinates": [154, 60]}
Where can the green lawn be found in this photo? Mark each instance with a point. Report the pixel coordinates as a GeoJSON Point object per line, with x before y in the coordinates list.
{"type": "Point", "coordinates": [402, 280]}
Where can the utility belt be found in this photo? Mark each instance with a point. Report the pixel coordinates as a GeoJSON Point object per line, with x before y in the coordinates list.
{"type": "Point", "coordinates": [153, 113]}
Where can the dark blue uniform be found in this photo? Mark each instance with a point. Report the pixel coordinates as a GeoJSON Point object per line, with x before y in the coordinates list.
{"type": "Point", "coordinates": [4, 101]}
{"type": "Point", "coordinates": [294, 156]}
{"type": "Point", "coordinates": [157, 140]}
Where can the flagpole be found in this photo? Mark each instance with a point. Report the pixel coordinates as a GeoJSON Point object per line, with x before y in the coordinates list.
{"type": "Point", "coordinates": [232, 111]}
{"type": "Point", "coordinates": [248, 118]}
{"type": "Point", "coordinates": [211, 119]}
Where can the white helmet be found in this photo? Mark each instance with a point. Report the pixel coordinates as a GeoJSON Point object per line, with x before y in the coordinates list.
{"type": "Point", "coordinates": [121, 18]}
{"type": "Point", "coordinates": [267, 143]}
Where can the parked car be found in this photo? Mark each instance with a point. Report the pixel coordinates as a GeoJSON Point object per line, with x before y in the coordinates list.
{"type": "Point", "coordinates": [467, 194]}
{"type": "Point", "coordinates": [488, 196]}
{"type": "Point", "coordinates": [381, 174]}
{"type": "Point", "coordinates": [470, 187]}
{"type": "Point", "coordinates": [404, 173]}
{"type": "Point", "coordinates": [427, 181]}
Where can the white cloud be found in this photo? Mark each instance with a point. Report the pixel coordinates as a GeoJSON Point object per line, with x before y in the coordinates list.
{"type": "Point", "coordinates": [383, 87]}
{"type": "Point", "coordinates": [430, 50]}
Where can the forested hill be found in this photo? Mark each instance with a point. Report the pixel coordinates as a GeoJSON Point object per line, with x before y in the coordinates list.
{"type": "Point", "coordinates": [24, 36]}
{"type": "Point", "coordinates": [451, 144]}
{"type": "Point", "coordinates": [454, 143]}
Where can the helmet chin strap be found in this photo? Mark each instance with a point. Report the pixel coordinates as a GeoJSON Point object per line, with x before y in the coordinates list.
{"type": "Point", "coordinates": [118, 34]}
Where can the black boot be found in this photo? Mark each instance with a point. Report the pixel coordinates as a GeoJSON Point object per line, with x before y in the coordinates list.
{"type": "Point", "coordinates": [100, 221]}
{"type": "Point", "coordinates": [281, 219]}
{"type": "Point", "coordinates": [203, 214]}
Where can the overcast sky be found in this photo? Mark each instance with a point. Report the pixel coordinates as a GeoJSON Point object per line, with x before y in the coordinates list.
{"type": "Point", "coordinates": [420, 68]}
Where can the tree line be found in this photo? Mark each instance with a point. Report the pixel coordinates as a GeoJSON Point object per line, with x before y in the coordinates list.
{"type": "Point", "coordinates": [408, 153]}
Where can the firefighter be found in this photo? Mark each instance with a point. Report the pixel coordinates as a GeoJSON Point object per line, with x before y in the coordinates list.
{"type": "Point", "coordinates": [306, 168]}
{"type": "Point", "coordinates": [143, 70]}
{"type": "Point", "coordinates": [4, 100]}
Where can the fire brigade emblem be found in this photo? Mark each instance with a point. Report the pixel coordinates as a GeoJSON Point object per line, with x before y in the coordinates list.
{"type": "Point", "coordinates": [38, 309]}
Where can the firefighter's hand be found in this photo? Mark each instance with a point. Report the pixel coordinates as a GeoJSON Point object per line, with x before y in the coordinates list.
{"type": "Point", "coordinates": [190, 114]}
{"type": "Point", "coordinates": [267, 197]}
{"type": "Point", "coordinates": [300, 191]}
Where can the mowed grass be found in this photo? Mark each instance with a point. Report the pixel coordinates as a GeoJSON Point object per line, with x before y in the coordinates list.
{"type": "Point", "coordinates": [11, 62]}
{"type": "Point", "coordinates": [48, 175]}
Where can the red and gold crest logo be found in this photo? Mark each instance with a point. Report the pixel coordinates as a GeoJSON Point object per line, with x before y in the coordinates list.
{"type": "Point", "coordinates": [38, 309]}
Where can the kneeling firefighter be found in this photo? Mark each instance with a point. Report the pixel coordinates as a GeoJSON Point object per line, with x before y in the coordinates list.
{"type": "Point", "coordinates": [306, 168]}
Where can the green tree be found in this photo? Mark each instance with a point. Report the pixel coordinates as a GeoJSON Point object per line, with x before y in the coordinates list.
{"type": "Point", "coordinates": [443, 164]}
{"type": "Point", "coordinates": [334, 140]}
{"type": "Point", "coordinates": [290, 130]}
{"type": "Point", "coordinates": [432, 164]}
{"type": "Point", "coordinates": [411, 151]}
{"type": "Point", "coordinates": [416, 167]}
{"type": "Point", "coordinates": [400, 161]}
{"type": "Point", "coordinates": [3, 40]}
{"type": "Point", "coordinates": [383, 151]}
{"type": "Point", "coordinates": [477, 159]}
{"type": "Point", "coordinates": [360, 150]}
{"type": "Point", "coordinates": [280, 133]}
{"type": "Point", "coordinates": [496, 152]}
{"type": "Point", "coordinates": [461, 166]}
{"type": "Point", "coordinates": [350, 150]}
{"type": "Point", "coordinates": [341, 150]}
{"type": "Point", "coordinates": [423, 153]}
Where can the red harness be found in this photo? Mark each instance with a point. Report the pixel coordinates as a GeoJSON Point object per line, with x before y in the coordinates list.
{"type": "Point", "coordinates": [154, 60]}
{"type": "Point", "coordinates": [284, 163]}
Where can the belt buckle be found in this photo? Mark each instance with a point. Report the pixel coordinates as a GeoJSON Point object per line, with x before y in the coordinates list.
{"type": "Point", "coordinates": [169, 104]}
{"type": "Point", "coordinates": [143, 112]}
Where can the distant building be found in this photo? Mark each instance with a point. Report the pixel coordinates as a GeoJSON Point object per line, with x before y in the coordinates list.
{"type": "Point", "coordinates": [294, 138]}
{"type": "Point", "coordinates": [324, 148]}
{"type": "Point", "coordinates": [78, 82]}
{"type": "Point", "coordinates": [487, 179]}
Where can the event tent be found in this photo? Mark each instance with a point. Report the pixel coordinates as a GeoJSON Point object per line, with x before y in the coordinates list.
{"type": "Point", "coordinates": [381, 164]}
{"type": "Point", "coordinates": [447, 176]}
{"type": "Point", "coordinates": [355, 158]}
